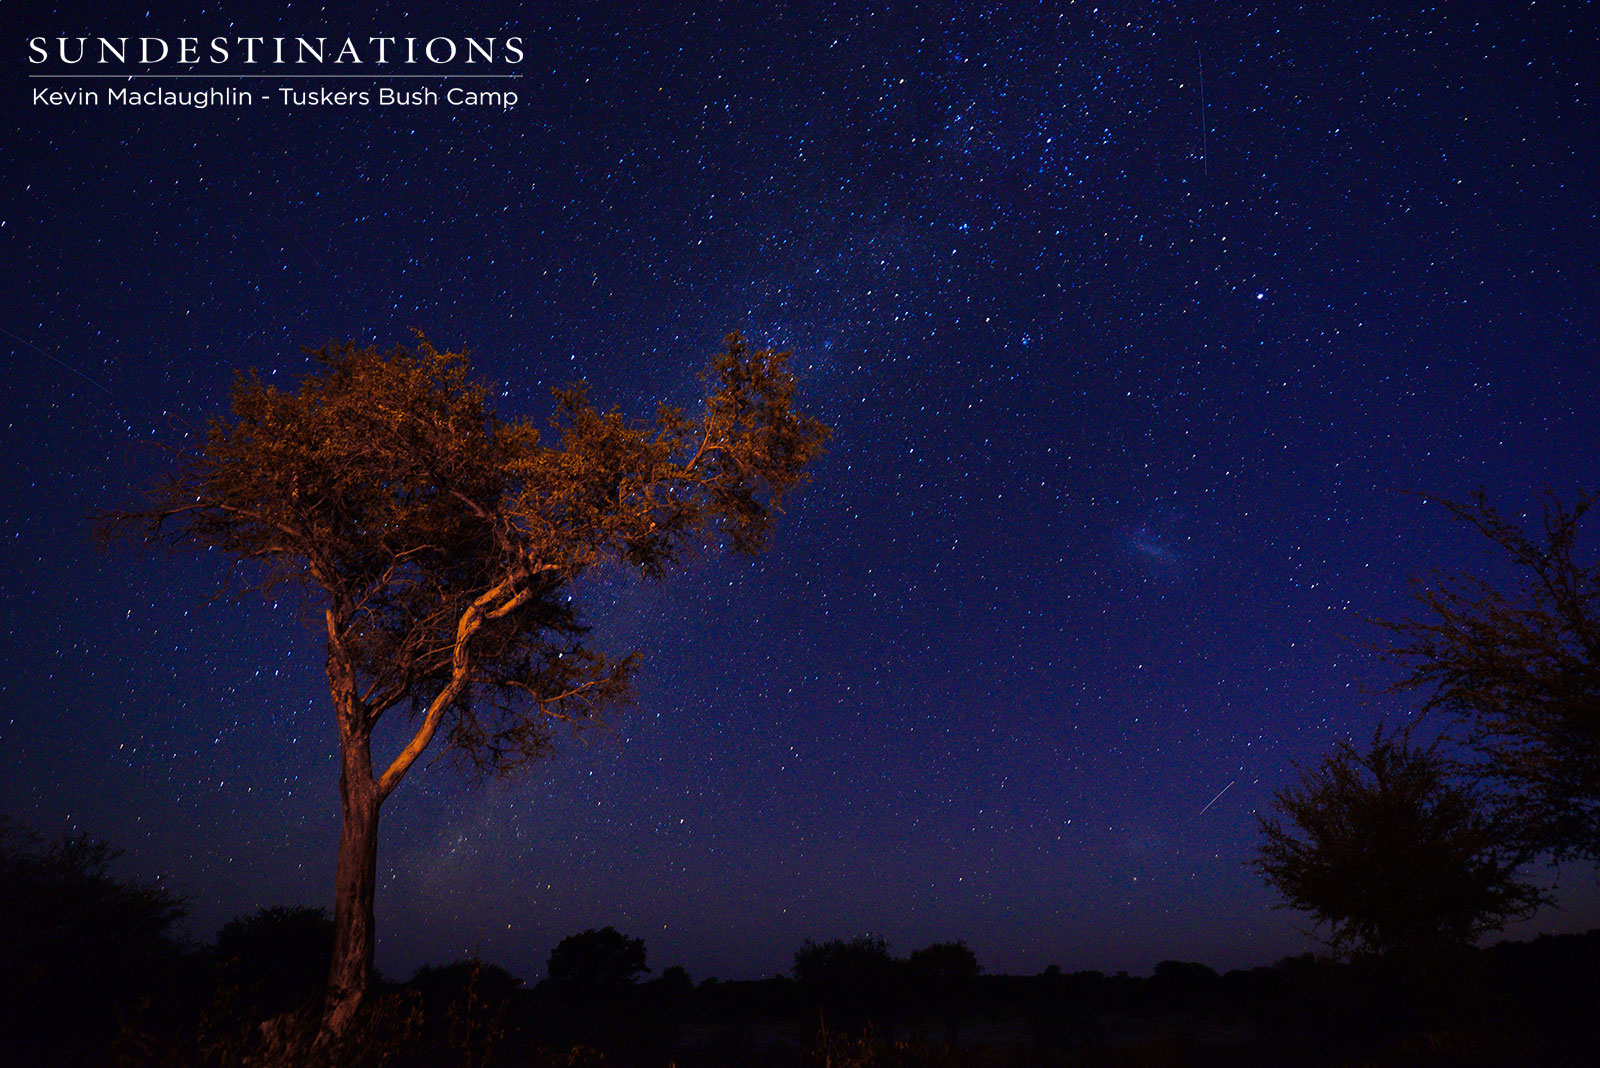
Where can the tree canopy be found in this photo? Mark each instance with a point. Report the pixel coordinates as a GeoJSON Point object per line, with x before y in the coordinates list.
{"type": "Point", "coordinates": [1389, 855]}
{"type": "Point", "coordinates": [1517, 668]}
{"type": "Point", "coordinates": [440, 542]}
{"type": "Point", "coordinates": [82, 948]}
{"type": "Point", "coordinates": [442, 539]}
{"type": "Point", "coordinates": [596, 963]}
{"type": "Point", "coordinates": [277, 957]}
{"type": "Point", "coordinates": [850, 981]}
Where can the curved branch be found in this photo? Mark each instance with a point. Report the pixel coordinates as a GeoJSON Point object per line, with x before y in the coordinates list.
{"type": "Point", "coordinates": [461, 669]}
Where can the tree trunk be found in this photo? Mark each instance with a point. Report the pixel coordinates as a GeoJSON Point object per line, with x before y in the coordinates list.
{"type": "Point", "coordinates": [355, 885]}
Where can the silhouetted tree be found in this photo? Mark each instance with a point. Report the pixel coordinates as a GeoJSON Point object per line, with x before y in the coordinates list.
{"type": "Point", "coordinates": [943, 978]}
{"type": "Point", "coordinates": [1389, 855]}
{"type": "Point", "coordinates": [468, 1011]}
{"type": "Point", "coordinates": [672, 992]}
{"type": "Point", "coordinates": [1519, 669]}
{"type": "Point", "coordinates": [676, 981]}
{"type": "Point", "coordinates": [444, 983]}
{"type": "Point", "coordinates": [851, 982]}
{"type": "Point", "coordinates": [81, 950]}
{"type": "Point", "coordinates": [277, 957]}
{"type": "Point", "coordinates": [594, 976]}
{"type": "Point", "coordinates": [439, 544]}
{"type": "Point", "coordinates": [596, 964]}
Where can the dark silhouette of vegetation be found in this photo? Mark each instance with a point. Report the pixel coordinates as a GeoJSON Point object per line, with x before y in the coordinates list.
{"type": "Point", "coordinates": [83, 950]}
{"type": "Point", "coordinates": [596, 963]}
{"type": "Point", "coordinates": [468, 1012]}
{"type": "Point", "coordinates": [161, 1002]}
{"type": "Point", "coordinates": [438, 542]}
{"type": "Point", "coordinates": [942, 979]}
{"type": "Point", "coordinates": [673, 988]}
{"type": "Point", "coordinates": [276, 958]}
{"type": "Point", "coordinates": [1185, 986]}
{"type": "Point", "coordinates": [851, 983]}
{"type": "Point", "coordinates": [1518, 670]}
{"type": "Point", "coordinates": [1529, 1003]}
{"type": "Point", "coordinates": [1389, 856]}
{"type": "Point", "coordinates": [593, 978]}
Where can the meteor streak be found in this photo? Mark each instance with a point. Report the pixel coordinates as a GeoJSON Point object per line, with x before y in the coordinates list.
{"type": "Point", "coordinates": [1214, 800]}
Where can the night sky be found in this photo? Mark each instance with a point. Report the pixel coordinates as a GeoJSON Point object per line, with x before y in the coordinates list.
{"type": "Point", "coordinates": [1133, 394]}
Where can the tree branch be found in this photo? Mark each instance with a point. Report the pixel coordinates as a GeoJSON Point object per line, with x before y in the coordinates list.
{"type": "Point", "coordinates": [471, 620]}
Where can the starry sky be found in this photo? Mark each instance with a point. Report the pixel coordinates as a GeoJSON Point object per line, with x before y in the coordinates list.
{"type": "Point", "coordinates": [1141, 328]}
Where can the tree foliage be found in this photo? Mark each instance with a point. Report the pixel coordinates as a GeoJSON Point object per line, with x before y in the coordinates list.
{"type": "Point", "coordinates": [596, 963]}
{"type": "Point", "coordinates": [82, 948]}
{"type": "Point", "coordinates": [943, 978]}
{"type": "Point", "coordinates": [1518, 669]}
{"type": "Point", "coordinates": [943, 965]}
{"type": "Point", "coordinates": [852, 982]}
{"type": "Point", "coordinates": [442, 540]}
{"type": "Point", "coordinates": [1390, 856]}
{"type": "Point", "coordinates": [838, 961]}
{"type": "Point", "coordinates": [276, 957]}
{"type": "Point", "coordinates": [440, 544]}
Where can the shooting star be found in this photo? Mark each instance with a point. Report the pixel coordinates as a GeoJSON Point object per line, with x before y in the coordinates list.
{"type": "Point", "coordinates": [1214, 800]}
{"type": "Point", "coordinates": [101, 386]}
{"type": "Point", "coordinates": [95, 382]}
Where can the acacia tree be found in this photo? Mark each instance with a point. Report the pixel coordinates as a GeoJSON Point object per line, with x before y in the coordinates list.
{"type": "Point", "coordinates": [1518, 670]}
{"type": "Point", "coordinates": [1389, 855]}
{"type": "Point", "coordinates": [596, 964]}
{"type": "Point", "coordinates": [440, 544]}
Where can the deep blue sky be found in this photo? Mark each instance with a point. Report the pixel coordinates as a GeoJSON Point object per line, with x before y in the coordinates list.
{"type": "Point", "coordinates": [1130, 414]}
